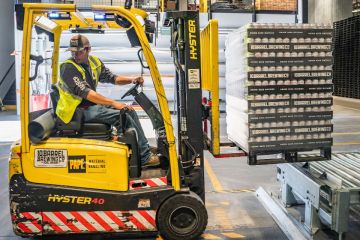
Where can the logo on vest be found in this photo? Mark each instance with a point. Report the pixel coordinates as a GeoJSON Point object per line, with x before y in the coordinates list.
{"type": "Point", "coordinates": [79, 83]}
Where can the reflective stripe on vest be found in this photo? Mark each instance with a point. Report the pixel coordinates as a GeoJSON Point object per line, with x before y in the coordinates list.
{"type": "Point", "coordinates": [68, 102]}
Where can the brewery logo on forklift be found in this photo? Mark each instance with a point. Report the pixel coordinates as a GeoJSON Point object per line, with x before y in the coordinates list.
{"type": "Point", "coordinates": [192, 39]}
{"type": "Point", "coordinates": [51, 158]}
{"type": "Point", "coordinates": [77, 164]}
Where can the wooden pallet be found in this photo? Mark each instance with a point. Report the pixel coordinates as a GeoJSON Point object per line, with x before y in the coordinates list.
{"type": "Point", "coordinates": [290, 156]}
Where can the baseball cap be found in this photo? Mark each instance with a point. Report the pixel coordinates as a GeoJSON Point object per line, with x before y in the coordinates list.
{"type": "Point", "coordinates": [78, 43]}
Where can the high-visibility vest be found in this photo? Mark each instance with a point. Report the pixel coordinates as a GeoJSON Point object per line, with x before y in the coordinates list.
{"type": "Point", "coordinates": [68, 101]}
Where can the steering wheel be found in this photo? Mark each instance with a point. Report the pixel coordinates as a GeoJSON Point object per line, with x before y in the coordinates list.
{"type": "Point", "coordinates": [131, 91]}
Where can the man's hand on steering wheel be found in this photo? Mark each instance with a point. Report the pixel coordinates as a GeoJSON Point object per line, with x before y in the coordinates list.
{"type": "Point", "coordinates": [139, 79]}
{"type": "Point", "coordinates": [120, 105]}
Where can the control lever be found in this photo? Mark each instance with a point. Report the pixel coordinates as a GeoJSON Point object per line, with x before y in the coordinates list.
{"type": "Point", "coordinates": [39, 60]}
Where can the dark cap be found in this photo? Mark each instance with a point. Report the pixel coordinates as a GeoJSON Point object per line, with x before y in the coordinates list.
{"type": "Point", "coordinates": [78, 43]}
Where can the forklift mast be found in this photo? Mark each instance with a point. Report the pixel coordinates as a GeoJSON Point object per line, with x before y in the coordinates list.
{"type": "Point", "coordinates": [185, 48]}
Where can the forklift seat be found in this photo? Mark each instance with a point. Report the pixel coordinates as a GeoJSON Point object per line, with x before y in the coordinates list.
{"type": "Point", "coordinates": [77, 127]}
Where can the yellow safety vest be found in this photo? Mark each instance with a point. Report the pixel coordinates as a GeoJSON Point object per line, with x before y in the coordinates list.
{"type": "Point", "coordinates": [68, 101]}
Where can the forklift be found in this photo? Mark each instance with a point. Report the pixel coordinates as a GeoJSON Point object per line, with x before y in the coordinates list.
{"type": "Point", "coordinates": [86, 178]}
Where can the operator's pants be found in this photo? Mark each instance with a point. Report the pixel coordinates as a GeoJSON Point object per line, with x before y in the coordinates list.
{"type": "Point", "coordinates": [102, 114]}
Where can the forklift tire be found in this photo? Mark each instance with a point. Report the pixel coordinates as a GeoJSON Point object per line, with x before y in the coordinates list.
{"type": "Point", "coordinates": [181, 217]}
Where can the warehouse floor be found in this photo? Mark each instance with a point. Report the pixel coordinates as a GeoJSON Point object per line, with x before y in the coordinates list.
{"type": "Point", "coordinates": [233, 207]}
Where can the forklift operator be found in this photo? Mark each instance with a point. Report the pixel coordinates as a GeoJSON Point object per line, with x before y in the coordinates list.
{"type": "Point", "coordinates": [79, 77]}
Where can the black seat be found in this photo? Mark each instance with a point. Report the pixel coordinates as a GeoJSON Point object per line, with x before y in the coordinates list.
{"type": "Point", "coordinates": [77, 127]}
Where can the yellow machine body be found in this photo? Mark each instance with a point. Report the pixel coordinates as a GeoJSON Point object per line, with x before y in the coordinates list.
{"type": "Point", "coordinates": [210, 83]}
{"type": "Point", "coordinates": [88, 164]}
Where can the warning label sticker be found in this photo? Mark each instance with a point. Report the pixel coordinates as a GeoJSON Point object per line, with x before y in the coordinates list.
{"type": "Point", "coordinates": [51, 158]}
{"type": "Point", "coordinates": [194, 78]}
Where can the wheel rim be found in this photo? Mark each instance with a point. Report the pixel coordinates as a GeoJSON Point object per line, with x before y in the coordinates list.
{"type": "Point", "coordinates": [183, 220]}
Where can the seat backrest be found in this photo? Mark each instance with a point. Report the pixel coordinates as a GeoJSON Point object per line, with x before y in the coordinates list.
{"type": "Point", "coordinates": [54, 95]}
{"type": "Point", "coordinates": [76, 127]}
{"type": "Point", "coordinates": [76, 121]}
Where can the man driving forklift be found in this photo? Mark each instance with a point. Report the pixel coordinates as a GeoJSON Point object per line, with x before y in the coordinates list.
{"type": "Point", "coordinates": [79, 76]}
{"type": "Point", "coordinates": [76, 180]}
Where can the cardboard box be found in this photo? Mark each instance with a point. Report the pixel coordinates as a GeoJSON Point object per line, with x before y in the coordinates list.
{"type": "Point", "coordinates": [171, 5]}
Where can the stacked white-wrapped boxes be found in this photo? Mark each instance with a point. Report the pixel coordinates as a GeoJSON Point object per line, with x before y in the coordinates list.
{"type": "Point", "coordinates": [279, 88]}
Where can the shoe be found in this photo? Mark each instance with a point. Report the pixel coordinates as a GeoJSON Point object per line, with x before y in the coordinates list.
{"type": "Point", "coordinates": [153, 150]}
{"type": "Point", "coordinates": [153, 161]}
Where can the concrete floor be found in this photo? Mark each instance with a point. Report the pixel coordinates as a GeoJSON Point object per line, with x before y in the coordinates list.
{"type": "Point", "coordinates": [234, 211]}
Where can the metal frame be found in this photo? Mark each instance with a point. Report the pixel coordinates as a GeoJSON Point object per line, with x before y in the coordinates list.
{"type": "Point", "coordinates": [185, 46]}
{"type": "Point", "coordinates": [33, 10]}
{"type": "Point", "coordinates": [210, 85]}
{"type": "Point", "coordinates": [203, 6]}
{"type": "Point", "coordinates": [327, 188]}
{"type": "Point", "coordinates": [210, 76]}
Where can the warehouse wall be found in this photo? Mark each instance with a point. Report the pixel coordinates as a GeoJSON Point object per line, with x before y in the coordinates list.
{"type": "Point", "coordinates": [6, 43]}
{"type": "Point", "coordinates": [329, 11]}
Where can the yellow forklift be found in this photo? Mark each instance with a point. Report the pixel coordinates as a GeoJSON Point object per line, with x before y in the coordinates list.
{"type": "Point", "coordinates": [86, 178]}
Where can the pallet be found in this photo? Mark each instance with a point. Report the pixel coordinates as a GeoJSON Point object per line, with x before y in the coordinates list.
{"type": "Point", "coordinates": [287, 156]}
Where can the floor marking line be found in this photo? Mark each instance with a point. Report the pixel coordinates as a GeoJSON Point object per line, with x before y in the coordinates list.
{"type": "Point", "coordinates": [225, 203]}
{"type": "Point", "coordinates": [210, 236]}
{"type": "Point", "coordinates": [232, 191]}
{"type": "Point", "coordinates": [5, 144]}
{"type": "Point", "coordinates": [355, 109]}
{"type": "Point", "coordinates": [346, 143]}
{"type": "Point", "coordinates": [233, 235]}
{"type": "Point", "coordinates": [220, 213]}
{"type": "Point", "coordinates": [214, 180]}
{"type": "Point", "coordinates": [346, 133]}
{"type": "Point", "coordinates": [222, 217]}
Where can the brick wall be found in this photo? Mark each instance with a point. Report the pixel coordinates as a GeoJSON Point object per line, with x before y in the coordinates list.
{"type": "Point", "coordinates": [280, 5]}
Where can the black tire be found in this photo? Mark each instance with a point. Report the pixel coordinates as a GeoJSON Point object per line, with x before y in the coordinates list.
{"type": "Point", "coordinates": [182, 217]}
